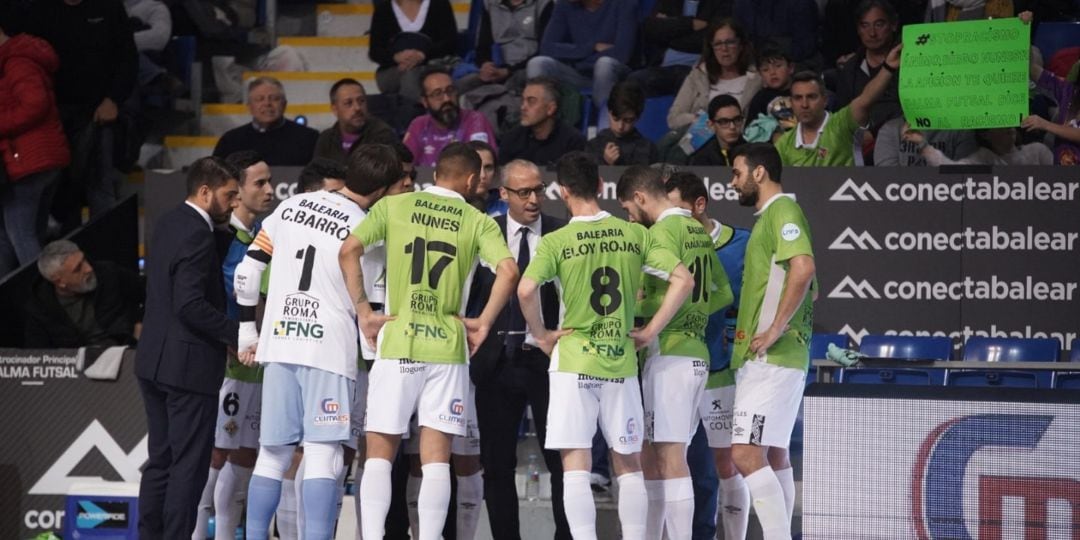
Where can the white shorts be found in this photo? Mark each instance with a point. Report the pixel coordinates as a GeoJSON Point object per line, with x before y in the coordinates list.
{"type": "Point", "coordinates": [767, 399]}
{"type": "Point", "coordinates": [239, 412]}
{"type": "Point", "coordinates": [578, 401]}
{"type": "Point", "coordinates": [436, 392]}
{"type": "Point", "coordinates": [466, 445]}
{"type": "Point", "coordinates": [716, 411]}
{"type": "Point", "coordinates": [672, 387]}
{"type": "Point", "coordinates": [359, 409]}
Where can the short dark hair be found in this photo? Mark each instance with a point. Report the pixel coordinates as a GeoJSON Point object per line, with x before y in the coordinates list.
{"type": "Point", "coordinates": [639, 178]}
{"type": "Point", "coordinates": [428, 72]}
{"type": "Point", "coordinates": [763, 154]}
{"type": "Point", "coordinates": [865, 6]}
{"type": "Point", "coordinates": [809, 76]}
{"type": "Point", "coordinates": [721, 101]}
{"type": "Point", "coordinates": [210, 171]}
{"type": "Point", "coordinates": [403, 152]}
{"type": "Point", "coordinates": [772, 51]}
{"type": "Point", "coordinates": [372, 167]}
{"type": "Point", "coordinates": [550, 86]}
{"type": "Point", "coordinates": [347, 81]}
{"type": "Point", "coordinates": [690, 186]}
{"type": "Point", "coordinates": [579, 174]}
{"type": "Point", "coordinates": [626, 97]}
{"type": "Point", "coordinates": [481, 145]}
{"type": "Point", "coordinates": [242, 159]}
{"type": "Point", "coordinates": [458, 159]}
{"type": "Point", "coordinates": [313, 176]}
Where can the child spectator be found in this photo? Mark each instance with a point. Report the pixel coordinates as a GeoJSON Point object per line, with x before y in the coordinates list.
{"type": "Point", "coordinates": [622, 144]}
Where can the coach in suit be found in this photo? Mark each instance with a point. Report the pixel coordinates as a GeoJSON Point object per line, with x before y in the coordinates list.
{"type": "Point", "coordinates": [509, 370]}
{"type": "Point", "coordinates": [180, 361]}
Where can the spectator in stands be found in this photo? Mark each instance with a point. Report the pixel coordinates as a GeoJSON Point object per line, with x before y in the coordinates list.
{"type": "Point", "coordinates": [151, 23]}
{"type": "Point", "coordinates": [77, 304]}
{"type": "Point", "coordinates": [676, 30]}
{"type": "Point", "coordinates": [282, 141]}
{"type": "Point", "coordinates": [98, 67]}
{"type": "Point", "coordinates": [588, 43]}
{"type": "Point", "coordinates": [965, 10]}
{"type": "Point", "coordinates": [407, 35]}
{"type": "Point", "coordinates": [33, 150]}
{"type": "Point", "coordinates": [487, 198]}
{"type": "Point", "coordinates": [891, 150]}
{"type": "Point", "coordinates": [354, 125]}
{"type": "Point", "coordinates": [792, 24]}
{"type": "Point", "coordinates": [878, 26]}
{"type": "Point", "coordinates": [724, 68]}
{"type": "Point", "coordinates": [996, 147]}
{"type": "Point", "coordinates": [408, 166]}
{"type": "Point", "coordinates": [516, 27]}
{"type": "Point", "coordinates": [775, 68]}
{"type": "Point", "coordinates": [542, 137]}
{"type": "Point", "coordinates": [445, 121]}
{"type": "Point", "coordinates": [321, 173]}
{"type": "Point", "coordinates": [622, 144]}
{"type": "Point", "coordinates": [1066, 125]}
{"type": "Point", "coordinates": [726, 122]}
{"type": "Point", "coordinates": [821, 139]}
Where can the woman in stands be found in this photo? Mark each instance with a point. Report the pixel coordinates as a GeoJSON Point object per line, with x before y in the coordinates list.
{"type": "Point", "coordinates": [725, 68]}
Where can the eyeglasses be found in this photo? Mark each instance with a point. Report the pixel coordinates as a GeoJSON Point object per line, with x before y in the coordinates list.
{"type": "Point", "coordinates": [449, 92]}
{"type": "Point", "coordinates": [525, 193]}
{"type": "Point", "coordinates": [729, 122]}
{"type": "Point", "coordinates": [724, 44]}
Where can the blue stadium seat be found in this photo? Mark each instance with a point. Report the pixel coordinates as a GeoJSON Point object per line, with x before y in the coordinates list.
{"type": "Point", "coordinates": [1074, 356]}
{"type": "Point", "coordinates": [918, 377]}
{"type": "Point", "coordinates": [1069, 380]}
{"type": "Point", "coordinates": [908, 348]}
{"type": "Point", "coordinates": [653, 123]}
{"type": "Point", "coordinates": [1052, 36]}
{"type": "Point", "coordinates": [1015, 379]}
{"type": "Point", "coordinates": [986, 349]}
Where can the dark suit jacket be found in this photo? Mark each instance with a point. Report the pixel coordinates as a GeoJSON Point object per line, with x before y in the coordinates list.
{"type": "Point", "coordinates": [487, 358]}
{"type": "Point", "coordinates": [185, 330]}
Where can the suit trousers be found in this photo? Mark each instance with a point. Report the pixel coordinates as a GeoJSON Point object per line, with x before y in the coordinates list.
{"type": "Point", "coordinates": [520, 379]}
{"type": "Point", "coordinates": [181, 435]}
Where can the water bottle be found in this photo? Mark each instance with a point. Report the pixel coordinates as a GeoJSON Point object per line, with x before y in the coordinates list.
{"type": "Point", "coordinates": [211, 527]}
{"type": "Point", "coordinates": [532, 480]}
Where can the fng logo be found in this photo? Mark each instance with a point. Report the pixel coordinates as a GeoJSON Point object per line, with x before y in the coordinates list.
{"type": "Point", "coordinates": [937, 480]}
{"type": "Point", "coordinates": [298, 329]}
{"type": "Point", "coordinates": [850, 240]}
{"type": "Point", "coordinates": [850, 191]}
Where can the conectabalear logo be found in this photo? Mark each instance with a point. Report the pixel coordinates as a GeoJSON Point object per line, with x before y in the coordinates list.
{"type": "Point", "coordinates": [969, 288]}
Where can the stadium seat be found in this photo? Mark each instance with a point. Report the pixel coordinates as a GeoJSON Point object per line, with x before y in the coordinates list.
{"type": "Point", "coordinates": [1074, 356]}
{"type": "Point", "coordinates": [906, 348]}
{"type": "Point", "coordinates": [1015, 379]}
{"type": "Point", "coordinates": [819, 345]}
{"type": "Point", "coordinates": [918, 377]}
{"type": "Point", "coordinates": [653, 123]}
{"type": "Point", "coordinates": [1069, 380]}
{"type": "Point", "coordinates": [1052, 36]}
{"type": "Point", "coordinates": [985, 349]}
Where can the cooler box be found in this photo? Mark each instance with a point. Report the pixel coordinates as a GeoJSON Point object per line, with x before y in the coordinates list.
{"type": "Point", "coordinates": [102, 511]}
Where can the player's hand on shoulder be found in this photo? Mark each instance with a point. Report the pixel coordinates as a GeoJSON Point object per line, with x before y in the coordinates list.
{"type": "Point", "coordinates": [370, 324]}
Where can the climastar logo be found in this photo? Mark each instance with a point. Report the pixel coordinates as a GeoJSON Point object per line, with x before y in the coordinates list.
{"type": "Point", "coordinates": [968, 288]}
{"type": "Point", "coordinates": [992, 239]}
{"type": "Point", "coordinates": [969, 190]}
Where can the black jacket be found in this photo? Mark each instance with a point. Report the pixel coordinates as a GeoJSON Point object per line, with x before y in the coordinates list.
{"type": "Point", "coordinates": [440, 25]}
{"type": "Point", "coordinates": [674, 31]}
{"type": "Point", "coordinates": [519, 143]}
{"type": "Point", "coordinates": [288, 144]}
{"type": "Point", "coordinates": [634, 149]}
{"type": "Point", "coordinates": [486, 361]}
{"type": "Point", "coordinates": [185, 330]}
{"type": "Point", "coordinates": [117, 301]}
{"type": "Point", "coordinates": [374, 131]}
{"type": "Point", "coordinates": [710, 154]}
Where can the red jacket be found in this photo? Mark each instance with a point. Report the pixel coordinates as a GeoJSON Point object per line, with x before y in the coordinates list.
{"type": "Point", "coordinates": [31, 136]}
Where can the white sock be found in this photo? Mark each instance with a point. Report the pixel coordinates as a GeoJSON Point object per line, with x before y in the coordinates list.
{"type": "Point", "coordinates": [206, 506]}
{"type": "Point", "coordinates": [298, 488]}
{"type": "Point", "coordinates": [679, 508]}
{"type": "Point", "coordinates": [412, 496]}
{"type": "Point", "coordinates": [358, 477]}
{"type": "Point", "coordinates": [286, 511]}
{"type": "Point", "coordinates": [579, 505]}
{"type": "Point", "coordinates": [433, 503]}
{"type": "Point", "coordinates": [734, 507]}
{"type": "Point", "coordinates": [470, 495]}
{"type": "Point", "coordinates": [654, 521]}
{"type": "Point", "coordinates": [229, 497]}
{"type": "Point", "coordinates": [340, 493]}
{"type": "Point", "coordinates": [768, 499]}
{"type": "Point", "coordinates": [633, 506]}
{"type": "Point", "coordinates": [787, 483]}
{"type": "Point", "coordinates": [375, 497]}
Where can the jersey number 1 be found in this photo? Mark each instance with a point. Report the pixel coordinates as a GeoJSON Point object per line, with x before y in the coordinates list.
{"type": "Point", "coordinates": [419, 248]}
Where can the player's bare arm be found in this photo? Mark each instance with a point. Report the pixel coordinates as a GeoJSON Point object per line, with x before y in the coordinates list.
{"type": "Point", "coordinates": [680, 284]}
{"type": "Point", "coordinates": [368, 321]}
{"type": "Point", "coordinates": [506, 279]}
{"type": "Point", "coordinates": [528, 292]}
{"type": "Point", "coordinates": [800, 275]}
{"type": "Point", "coordinates": [246, 285]}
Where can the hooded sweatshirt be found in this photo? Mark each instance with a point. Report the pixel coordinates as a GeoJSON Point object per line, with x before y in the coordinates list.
{"type": "Point", "coordinates": [31, 137]}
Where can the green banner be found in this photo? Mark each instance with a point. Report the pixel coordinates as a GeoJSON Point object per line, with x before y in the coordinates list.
{"type": "Point", "coordinates": [965, 75]}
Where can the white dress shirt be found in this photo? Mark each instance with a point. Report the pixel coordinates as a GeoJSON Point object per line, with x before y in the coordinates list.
{"type": "Point", "coordinates": [205, 216]}
{"type": "Point", "coordinates": [513, 241]}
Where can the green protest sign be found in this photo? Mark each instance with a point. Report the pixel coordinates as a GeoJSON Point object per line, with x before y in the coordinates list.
{"type": "Point", "coordinates": [965, 75]}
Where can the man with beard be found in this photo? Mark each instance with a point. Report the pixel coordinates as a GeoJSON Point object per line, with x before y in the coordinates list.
{"type": "Point", "coordinates": [180, 363]}
{"type": "Point", "coordinates": [444, 122]}
{"type": "Point", "coordinates": [77, 304]}
{"type": "Point", "coordinates": [354, 126]}
{"type": "Point", "coordinates": [772, 336]}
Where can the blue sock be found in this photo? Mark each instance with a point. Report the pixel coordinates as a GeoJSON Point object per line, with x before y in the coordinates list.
{"type": "Point", "coordinates": [262, 501]}
{"type": "Point", "coordinates": [320, 508]}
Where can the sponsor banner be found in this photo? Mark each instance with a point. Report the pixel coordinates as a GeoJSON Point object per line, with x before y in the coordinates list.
{"type": "Point", "coordinates": [60, 432]}
{"type": "Point", "coordinates": [940, 463]}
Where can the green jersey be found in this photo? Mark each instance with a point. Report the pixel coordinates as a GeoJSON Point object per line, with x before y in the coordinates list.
{"type": "Point", "coordinates": [781, 233]}
{"type": "Point", "coordinates": [832, 148]}
{"type": "Point", "coordinates": [684, 236]}
{"type": "Point", "coordinates": [597, 264]}
{"type": "Point", "coordinates": [433, 238]}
